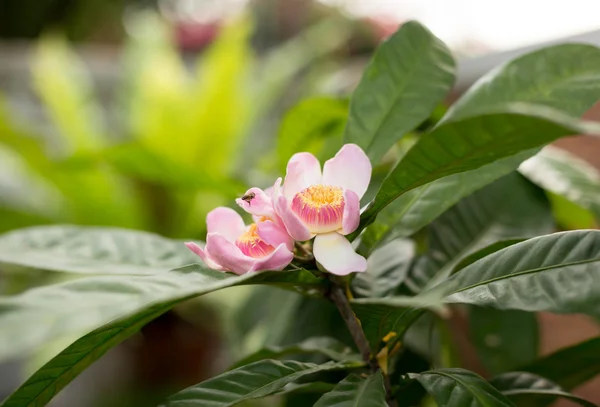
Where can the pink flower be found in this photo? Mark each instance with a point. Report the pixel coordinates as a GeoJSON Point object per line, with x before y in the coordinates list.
{"type": "Point", "coordinates": [233, 246]}
{"type": "Point", "coordinates": [325, 205]}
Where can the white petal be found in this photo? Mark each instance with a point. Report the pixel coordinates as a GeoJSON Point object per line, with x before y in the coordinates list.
{"type": "Point", "coordinates": [335, 253]}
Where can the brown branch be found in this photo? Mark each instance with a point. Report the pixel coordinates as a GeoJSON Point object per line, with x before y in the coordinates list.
{"type": "Point", "coordinates": [337, 295]}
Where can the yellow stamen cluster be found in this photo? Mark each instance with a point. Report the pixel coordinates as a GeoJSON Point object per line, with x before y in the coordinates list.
{"type": "Point", "coordinates": [317, 196]}
{"type": "Point", "coordinates": [250, 235]}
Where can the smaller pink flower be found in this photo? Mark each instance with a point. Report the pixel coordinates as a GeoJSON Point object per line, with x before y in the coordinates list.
{"type": "Point", "coordinates": [233, 246]}
{"type": "Point", "coordinates": [325, 205]}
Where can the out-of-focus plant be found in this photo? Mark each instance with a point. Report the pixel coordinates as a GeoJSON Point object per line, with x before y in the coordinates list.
{"type": "Point", "coordinates": [144, 163]}
{"type": "Point", "coordinates": [461, 224]}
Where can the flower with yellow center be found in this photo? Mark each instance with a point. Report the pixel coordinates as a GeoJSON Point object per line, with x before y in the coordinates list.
{"type": "Point", "coordinates": [325, 205]}
{"type": "Point", "coordinates": [231, 246]}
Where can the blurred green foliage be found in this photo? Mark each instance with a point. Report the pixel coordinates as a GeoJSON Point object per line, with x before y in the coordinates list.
{"type": "Point", "coordinates": [148, 167]}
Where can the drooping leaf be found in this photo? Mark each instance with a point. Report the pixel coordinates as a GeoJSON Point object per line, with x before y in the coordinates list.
{"type": "Point", "coordinates": [100, 250]}
{"type": "Point", "coordinates": [252, 381]}
{"type": "Point", "coordinates": [410, 73]}
{"type": "Point", "coordinates": [112, 308]}
{"type": "Point", "coordinates": [528, 388]}
{"type": "Point", "coordinates": [356, 391]}
{"type": "Point", "coordinates": [460, 388]}
{"type": "Point", "coordinates": [415, 209]}
{"type": "Point", "coordinates": [330, 347]}
{"type": "Point", "coordinates": [569, 367]}
{"type": "Point", "coordinates": [505, 339]}
{"type": "Point", "coordinates": [386, 269]}
{"type": "Point", "coordinates": [314, 125]}
{"type": "Point", "coordinates": [564, 174]}
{"type": "Point", "coordinates": [557, 273]}
{"type": "Point", "coordinates": [568, 80]}
{"type": "Point", "coordinates": [469, 143]}
{"type": "Point", "coordinates": [508, 208]}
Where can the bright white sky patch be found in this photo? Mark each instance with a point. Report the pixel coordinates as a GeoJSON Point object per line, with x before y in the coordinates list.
{"type": "Point", "coordinates": [500, 25]}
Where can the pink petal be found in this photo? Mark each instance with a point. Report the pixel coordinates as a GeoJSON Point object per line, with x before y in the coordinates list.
{"type": "Point", "coordinates": [227, 254]}
{"type": "Point", "coordinates": [226, 222]}
{"type": "Point", "coordinates": [335, 253]}
{"type": "Point", "coordinates": [303, 170]}
{"type": "Point", "coordinates": [258, 203]}
{"type": "Point", "coordinates": [351, 217]}
{"type": "Point", "coordinates": [274, 234]}
{"type": "Point", "coordinates": [349, 169]}
{"type": "Point", "coordinates": [277, 260]}
{"type": "Point", "coordinates": [203, 255]}
{"type": "Point", "coordinates": [320, 217]}
{"type": "Point", "coordinates": [296, 229]}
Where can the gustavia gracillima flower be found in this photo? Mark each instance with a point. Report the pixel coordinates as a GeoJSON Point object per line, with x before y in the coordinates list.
{"type": "Point", "coordinates": [233, 246]}
{"type": "Point", "coordinates": [325, 205]}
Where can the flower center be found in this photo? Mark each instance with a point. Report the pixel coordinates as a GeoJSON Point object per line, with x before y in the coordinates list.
{"type": "Point", "coordinates": [320, 207]}
{"type": "Point", "coordinates": [252, 245]}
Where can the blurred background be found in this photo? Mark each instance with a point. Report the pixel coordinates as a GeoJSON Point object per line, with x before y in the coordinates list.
{"type": "Point", "coordinates": [147, 114]}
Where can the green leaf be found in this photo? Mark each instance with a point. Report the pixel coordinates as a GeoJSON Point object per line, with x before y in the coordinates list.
{"type": "Point", "coordinates": [532, 389]}
{"type": "Point", "coordinates": [508, 208]}
{"type": "Point", "coordinates": [556, 273]}
{"type": "Point", "coordinates": [481, 253]}
{"type": "Point", "coordinates": [64, 85]}
{"type": "Point", "coordinates": [565, 77]}
{"type": "Point", "coordinates": [503, 340]}
{"type": "Point", "coordinates": [569, 215]}
{"type": "Point", "coordinates": [252, 381]}
{"type": "Point", "coordinates": [569, 367]}
{"type": "Point", "coordinates": [418, 207]}
{"type": "Point", "coordinates": [112, 308]}
{"type": "Point", "coordinates": [566, 175]}
{"type": "Point", "coordinates": [94, 250]}
{"type": "Point", "coordinates": [314, 125]}
{"type": "Point", "coordinates": [387, 267]}
{"type": "Point", "coordinates": [330, 347]}
{"type": "Point", "coordinates": [466, 144]}
{"type": "Point", "coordinates": [567, 80]}
{"type": "Point", "coordinates": [459, 388]}
{"type": "Point", "coordinates": [381, 316]}
{"type": "Point", "coordinates": [409, 75]}
{"type": "Point", "coordinates": [356, 391]}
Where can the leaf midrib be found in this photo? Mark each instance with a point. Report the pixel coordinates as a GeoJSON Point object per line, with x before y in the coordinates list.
{"type": "Point", "coordinates": [525, 272]}
{"type": "Point", "coordinates": [476, 394]}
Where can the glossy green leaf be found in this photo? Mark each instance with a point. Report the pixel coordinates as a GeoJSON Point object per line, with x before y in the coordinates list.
{"type": "Point", "coordinates": [469, 143]}
{"type": "Point", "coordinates": [409, 75]}
{"type": "Point", "coordinates": [481, 253]}
{"type": "Point", "coordinates": [508, 208]}
{"type": "Point", "coordinates": [556, 273]}
{"type": "Point", "coordinates": [112, 308]}
{"type": "Point", "coordinates": [528, 388]}
{"type": "Point", "coordinates": [314, 125]}
{"type": "Point", "coordinates": [568, 79]}
{"type": "Point", "coordinates": [418, 207]}
{"type": "Point", "coordinates": [252, 381]}
{"type": "Point", "coordinates": [460, 388]}
{"type": "Point", "coordinates": [504, 339]}
{"type": "Point", "coordinates": [387, 267]}
{"type": "Point", "coordinates": [571, 366]}
{"type": "Point", "coordinates": [330, 347]}
{"type": "Point", "coordinates": [566, 175]}
{"type": "Point", "coordinates": [99, 250]}
{"type": "Point", "coordinates": [356, 391]}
